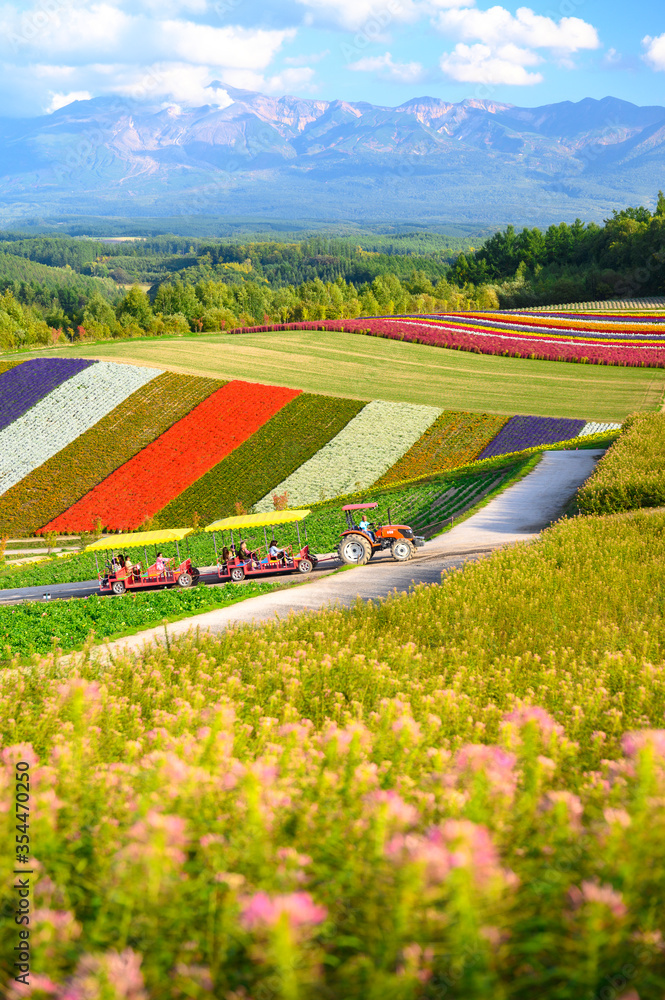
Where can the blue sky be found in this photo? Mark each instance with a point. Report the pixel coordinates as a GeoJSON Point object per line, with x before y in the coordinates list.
{"type": "Point", "coordinates": [381, 51]}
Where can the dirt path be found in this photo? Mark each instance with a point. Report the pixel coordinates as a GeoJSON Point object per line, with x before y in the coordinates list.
{"type": "Point", "coordinates": [517, 515]}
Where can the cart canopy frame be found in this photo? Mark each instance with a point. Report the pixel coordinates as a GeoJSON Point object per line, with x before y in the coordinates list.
{"type": "Point", "coordinates": [138, 539]}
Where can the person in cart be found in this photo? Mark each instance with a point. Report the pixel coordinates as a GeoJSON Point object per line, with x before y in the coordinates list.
{"type": "Point", "coordinates": [245, 555]}
{"type": "Point", "coordinates": [162, 564]}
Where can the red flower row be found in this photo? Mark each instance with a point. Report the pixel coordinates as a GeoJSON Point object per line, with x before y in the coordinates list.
{"type": "Point", "coordinates": [521, 345]}
{"type": "Point", "coordinates": [176, 459]}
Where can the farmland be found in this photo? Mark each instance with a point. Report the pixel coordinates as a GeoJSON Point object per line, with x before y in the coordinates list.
{"type": "Point", "coordinates": [343, 364]}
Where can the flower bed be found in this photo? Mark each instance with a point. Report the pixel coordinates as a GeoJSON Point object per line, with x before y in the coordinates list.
{"type": "Point", "coordinates": [496, 333]}
{"type": "Point", "coordinates": [270, 455]}
{"type": "Point", "coordinates": [22, 385]}
{"type": "Point", "coordinates": [593, 427]}
{"type": "Point", "coordinates": [66, 477]}
{"type": "Point", "coordinates": [168, 466]}
{"type": "Point", "coordinates": [460, 792]}
{"type": "Point", "coordinates": [356, 457]}
{"type": "Point", "coordinates": [454, 439]}
{"type": "Point", "coordinates": [632, 473]}
{"type": "Point", "coordinates": [529, 432]}
{"type": "Point", "coordinates": [68, 411]}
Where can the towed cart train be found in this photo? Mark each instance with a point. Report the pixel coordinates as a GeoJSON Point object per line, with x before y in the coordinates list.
{"type": "Point", "coordinates": [121, 573]}
{"type": "Point", "coordinates": [232, 564]}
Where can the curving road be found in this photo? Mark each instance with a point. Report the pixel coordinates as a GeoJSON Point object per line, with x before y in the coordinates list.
{"type": "Point", "coordinates": [516, 515]}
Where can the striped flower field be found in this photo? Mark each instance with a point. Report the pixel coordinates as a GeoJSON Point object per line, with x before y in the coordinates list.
{"type": "Point", "coordinates": [637, 340]}
{"type": "Point", "coordinates": [89, 443]}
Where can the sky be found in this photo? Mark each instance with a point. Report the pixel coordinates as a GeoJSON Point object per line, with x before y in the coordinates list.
{"type": "Point", "coordinates": [385, 52]}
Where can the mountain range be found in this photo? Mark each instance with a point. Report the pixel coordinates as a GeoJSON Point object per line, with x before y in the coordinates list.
{"type": "Point", "coordinates": [427, 160]}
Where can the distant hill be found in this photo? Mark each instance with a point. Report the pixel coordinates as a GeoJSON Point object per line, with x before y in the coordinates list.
{"type": "Point", "coordinates": [475, 162]}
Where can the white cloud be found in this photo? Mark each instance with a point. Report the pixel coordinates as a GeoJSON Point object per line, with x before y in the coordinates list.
{"type": "Point", "coordinates": [62, 100]}
{"type": "Point", "coordinates": [482, 64]}
{"type": "Point", "coordinates": [236, 48]}
{"type": "Point", "coordinates": [525, 27]}
{"type": "Point", "coordinates": [389, 70]}
{"type": "Point", "coordinates": [655, 51]}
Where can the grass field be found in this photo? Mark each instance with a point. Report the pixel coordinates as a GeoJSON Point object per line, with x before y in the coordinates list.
{"type": "Point", "coordinates": [344, 364]}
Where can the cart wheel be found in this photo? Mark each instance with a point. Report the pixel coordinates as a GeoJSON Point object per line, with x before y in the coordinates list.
{"type": "Point", "coordinates": [305, 566]}
{"type": "Point", "coordinates": [196, 576]}
{"type": "Point", "coordinates": [118, 587]}
{"type": "Point", "coordinates": [237, 574]}
{"type": "Point", "coordinates": [185, 580]}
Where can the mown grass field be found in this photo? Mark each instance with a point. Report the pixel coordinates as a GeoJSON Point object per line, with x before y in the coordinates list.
{"type": "Point", "coordinates": [344, 364]}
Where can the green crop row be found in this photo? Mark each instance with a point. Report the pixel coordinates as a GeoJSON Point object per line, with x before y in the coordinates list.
{"type": "Point", "coordinates": [632, 473]}
{"type": "Point", "coordinates": [276, 450]}
{"type": "Point", "coordinates": [454, 439]}
{"type": "Point", "coordinates": [33, 627]}
{"type": "Point", "coordinates": [459, 792]}
{"type": "Point", "coordinates": [57, 484]}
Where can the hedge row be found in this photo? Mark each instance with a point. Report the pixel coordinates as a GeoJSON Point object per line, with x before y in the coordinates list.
{"type": "Point", "coordinates": [66, 477]}
{"type": "Point", "coordinates": [632, 473]}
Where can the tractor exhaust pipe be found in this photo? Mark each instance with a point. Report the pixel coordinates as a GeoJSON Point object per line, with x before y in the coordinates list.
{"type": "Point", "coordinates": [389, 517]}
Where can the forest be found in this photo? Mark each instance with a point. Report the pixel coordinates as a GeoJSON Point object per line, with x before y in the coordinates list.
{"type": "Point", "coordinates": [56, 289]}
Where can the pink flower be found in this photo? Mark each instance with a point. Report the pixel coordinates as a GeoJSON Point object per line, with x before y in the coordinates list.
{"type": "Point", "coordinates": [396, 808]}
{"type": "Point", "coordinates": [524, 714]}
{"type": "Point", "coordinates": [637, 740]}
{"type": "Point", "coordinates": [497, 764]}
{"type": "Point", "coordinates": [38, 983]}
{"type": "Point", "coordinates": [603, 895]}
{"type": "Point", "coordinates": [262, 910]}
{"type": "Point", "coordinates": [453, 844]}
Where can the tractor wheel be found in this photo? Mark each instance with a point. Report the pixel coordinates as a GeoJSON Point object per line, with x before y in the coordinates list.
{"type": "Point", "coordinates": [118, 587]}
{"type": "Point", "coordinates": [196, 576]}
{"type": "Point", "coordinates": [314, 561]}
{"type": "Point", "coordinates": [237, 574]}
{"type": "Point", "coordinates": [401, 550]}
{"type": "Point", "coordinates": [305, 566]}
{"type": "Point", "coordinates": [185, 580]}
{"type": "Point", "coordinates": [354, 550]}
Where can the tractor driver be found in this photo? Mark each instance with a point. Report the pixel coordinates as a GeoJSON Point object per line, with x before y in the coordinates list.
{"type": "Point", "coordinates": [364, 526]}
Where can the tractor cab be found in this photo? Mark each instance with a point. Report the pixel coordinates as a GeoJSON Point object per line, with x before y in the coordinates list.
{"type": "Point", "coordinates": [358, 545]}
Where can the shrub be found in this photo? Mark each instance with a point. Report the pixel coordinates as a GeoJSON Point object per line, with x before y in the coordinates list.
{"type": "Point", "coordinates": [632, 473]}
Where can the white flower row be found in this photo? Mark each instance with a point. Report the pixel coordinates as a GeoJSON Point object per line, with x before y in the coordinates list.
{"type": "Point", "coordinates": [61, 416]}
{"type": "Point", "coordinates": [593, 427]}
{"type": "Point", "coordinates": [366, 448]}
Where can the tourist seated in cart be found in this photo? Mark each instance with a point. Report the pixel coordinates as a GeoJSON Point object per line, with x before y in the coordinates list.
{"type": "Point", "coordinates": [162, 564]}
{"type": "Point", "coordinates": [226, 555]}
{"type": "Point", "coordinates": [244, 555]}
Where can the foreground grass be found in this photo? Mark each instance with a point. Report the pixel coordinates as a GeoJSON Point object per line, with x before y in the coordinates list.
{"type": "Point", "coordinates": [345, 364]}
{"type": "Point", "coordinates": [439, 796]}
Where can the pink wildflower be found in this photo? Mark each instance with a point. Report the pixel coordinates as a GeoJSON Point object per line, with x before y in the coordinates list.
{"type": "Point", "coordinates": [603, 895]}
{"type": "Point", "coordinates": [396, 808]}
{"type": "Point", "coordinates": [453, 844]}
{"type": "Point", "coordinates": [637, 740]}
{"type": "Point", "coordinates": [524, 714]}
{"type": "Point", "coordinates": [262, 910]}
{"type": "Point", "coordinates": [38, 984]}
{"type": "Point", "coordinates": [497, 764]}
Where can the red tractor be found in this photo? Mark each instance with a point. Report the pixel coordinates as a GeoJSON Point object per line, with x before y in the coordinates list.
{"type": "Point", "coordinates": [361, 541]}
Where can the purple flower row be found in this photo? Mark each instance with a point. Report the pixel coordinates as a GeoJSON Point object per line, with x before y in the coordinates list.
{"type": "Point", "coordinates": [23, 386]}
{"type": "Point", "coordinates": [529, 432]}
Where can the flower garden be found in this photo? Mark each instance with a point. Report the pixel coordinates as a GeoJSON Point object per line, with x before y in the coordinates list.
{"type": "Point", "coordinates": [587, 338]}
{"type": "Point", "coordinates": [117, 445]}
{"type": "Point", "coordinates": [457, 793]}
